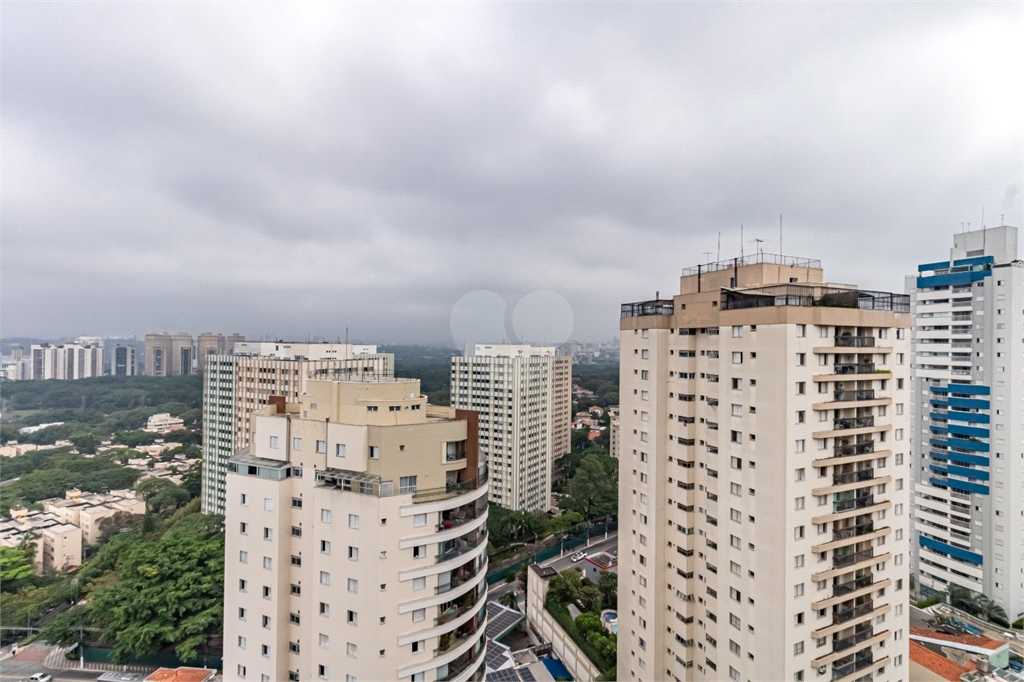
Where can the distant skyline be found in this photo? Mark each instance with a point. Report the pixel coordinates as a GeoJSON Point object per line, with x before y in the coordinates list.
{"type": "Point", "coordinates": [290, 170]}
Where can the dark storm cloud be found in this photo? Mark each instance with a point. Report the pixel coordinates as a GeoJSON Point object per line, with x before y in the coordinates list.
{"type": "Point", "coordinates": [286, 170]}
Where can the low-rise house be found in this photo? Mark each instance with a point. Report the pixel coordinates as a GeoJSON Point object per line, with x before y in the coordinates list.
{"type": "Point", "coordinates": [937, 656]}
{"type": "Point", "coordinates": [596, 564]}
{"type": "Point", "coordinates": [85, 510]}
{"type": "Point", "coordinates": [14, 449]}
{"type": "Point", "coordinates": [58, 545]}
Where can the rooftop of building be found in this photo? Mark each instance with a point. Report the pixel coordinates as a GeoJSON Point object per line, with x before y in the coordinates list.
{"type": "Point", "coordinates": [964, 639]}
{"type": "Point", "coordinates": [543, 571]}
{"type": "Point", "coordinates": [753, 259]}
{"type": "Point", "coordinates": [937, 663]}
{"type": "Point", "coordinates": [603, 560]}
{"type": "Point", "coordinates": [181, 675]}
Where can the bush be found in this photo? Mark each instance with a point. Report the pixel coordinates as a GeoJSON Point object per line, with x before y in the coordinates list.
{"type": "Point", "coordinates": [928, 602]}
{"type": "Point", "coordinates": [1019, 624]}
{"type": "Point", "coordinates": [594, 653]}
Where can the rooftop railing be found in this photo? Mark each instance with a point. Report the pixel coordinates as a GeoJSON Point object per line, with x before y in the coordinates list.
{"type": "Point", "coordinates": [813, 296]}
{"type": "Point", "coordinates": [753, 259]}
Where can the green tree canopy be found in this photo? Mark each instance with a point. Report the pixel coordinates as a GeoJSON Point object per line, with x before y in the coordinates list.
{"type": "Point", "coordinates": [594, 491]}
{"type": "Point", "coordinates": [16, 563]}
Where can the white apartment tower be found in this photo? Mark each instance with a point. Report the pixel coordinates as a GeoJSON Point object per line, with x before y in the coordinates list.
{"type": "Point", "coordinates": [356, 539]}
{"type": "Point", "coordinates": [235, 386]}
{"type": "Point", "coordinates": [79, 360]}
{"type": "Point", "coordinates": [524, 397]}
{"type": "Point", "coordinates": [967, 425]}
{"type": "Point", "coordinates": [764, 479]}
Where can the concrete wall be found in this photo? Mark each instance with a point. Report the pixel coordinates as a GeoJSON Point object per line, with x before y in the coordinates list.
{"type": "Point", "coordinates": [545, 625]}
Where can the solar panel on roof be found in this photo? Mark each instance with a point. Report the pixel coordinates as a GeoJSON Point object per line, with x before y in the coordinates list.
{"type": "Point", "coordinates": [526, 675]}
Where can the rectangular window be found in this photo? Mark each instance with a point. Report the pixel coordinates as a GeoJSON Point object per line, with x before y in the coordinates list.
{"type": "Point", "coordinates": [419, 615]}
{"type": "Point", "coordinates": [353, 521]}
{"type": "Point", "coordinates": [268, 504]}
{"type": "Point", "coordinates": [243, 556]}
{"type": "Point", "coordinates": [325, 516]}
{"type": "Point", "coordinates": [339, 450]}
{"type": "Point", "coordinates": [737, 358]}
{"type": "Point", "coordinates": [353, 585]}
{"type": "Point", "coordinates": [325, 609]}
{"type": "Point", "coordinates": [268, 533]}
{"type": "Point", "coordinates": [419, 520]}
{"type": "Point", "coordinates": [353, 553]}
{"type": "Point", "coordinates": [374, 452]}
{"type": "Point", "coordinates": [274, 442]}
{"type": "Point", "coordinates": [321, 447]}
{"type": "Point", "coordinates": [296, 444]}
{"type": "Point", "coordinates": [407, 484]}
{"type": "Point", "coordinates": [267, 563]}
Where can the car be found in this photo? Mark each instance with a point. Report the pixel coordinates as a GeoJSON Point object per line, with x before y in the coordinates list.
{"type": "Point", "coordinates": [577, 557]}
{"type": "Point", "coordinates": [41, 677]}
{"type": "Point", "coordinates": [1016, 665]}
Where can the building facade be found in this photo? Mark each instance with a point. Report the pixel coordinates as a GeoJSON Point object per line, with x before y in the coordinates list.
{"type": "Point", "coordinates": [159, 349]}
{"type": "Point", "coordinates": [967, 429]}
{"type": "Point", "coordinates": [613, 431]}
{"type": "Point", "coordinates": [182, 354]}
{"type": "Point", "coordinates": [58, 544]}
{"type": "Point", "coordinates": [124, 361]}
{"type": "Point", "coordinates": [356, 539]}
{"type": "Point", "coordinates": [236, 386]}
{"type": "Point", "coordinates": [523, 394]}
{"type": "Point", "coordinates": [68, 361]}
{"type": "Point", "coordinates": [208, 344]}
{"type": "Point", "coordinates": [763, 478]}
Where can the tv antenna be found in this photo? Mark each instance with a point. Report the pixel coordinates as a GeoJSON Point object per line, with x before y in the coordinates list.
{"type": "Point", "coordinates": [707, 254]}
{"type": "Point", "coordinates": [759, 242]}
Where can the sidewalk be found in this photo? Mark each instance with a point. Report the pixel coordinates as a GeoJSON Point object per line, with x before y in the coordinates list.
{"type": "Point", "coordinates": [56, 660]}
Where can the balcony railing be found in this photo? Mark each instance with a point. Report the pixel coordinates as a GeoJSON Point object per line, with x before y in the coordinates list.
{"type": "Point", "coordinates": [450, 490]}
{"type": "Point", "coordinates": [855, 341]}
{"type": "Point", "coordinates": [853, 422]}
{"type": "Point", "coordinates": [860, 635]}
{"type": "Point", "coordinates": [851, 612]}
{"type": "Point", "coordinates": [849, 586]}
{"type": "Point", "coordinates": [853, 503]}
{"type": "Point", "coordinates": [460, 607]}
{"type": "Point", "coordinates": [853, 476]}
{"type": "Point", "coordinates": [849, 449]}
{"type": "Point", "coordinates": [854, 368]}
{"type": "Point", "coordinates": [453, 518]}
{"type": "Point", "coordinates": [813, 295]}
{"type": "Point", "coordinates": [855, 664]}
{"type": "Point", "coordinates": [459, 546]}
{"type": "Point", "coordinates": [460, 635]}
{"type": "Point", "coordinates": [844, 560]}
{"type": "Point", "coordinates": [645, 308]}
{"type": "Point", "coordinates": [853, 531]}
{"type": "Point", "coordinates": [462, 575]}
{"type": "Point", "coordinates": [460, 665]}
{"type": "Point", "coordinates": [843, 395]}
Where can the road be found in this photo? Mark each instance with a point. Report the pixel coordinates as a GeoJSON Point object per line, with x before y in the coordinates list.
{"type": "Point", "coordinates": [559, 564]}
{"type": "Point", "coordinates": [29, 661]}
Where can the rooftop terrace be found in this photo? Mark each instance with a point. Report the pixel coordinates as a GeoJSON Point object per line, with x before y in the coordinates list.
{"type": "Point", "coordinates": [753, 259]}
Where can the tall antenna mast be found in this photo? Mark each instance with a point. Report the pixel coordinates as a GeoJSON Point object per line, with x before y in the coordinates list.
{"type": "Point", "coordinates": [780, 235]}
{"type": "Point", "coordinates": [719, 257]}
{"type": "Point", "coordinates": [741, 241]}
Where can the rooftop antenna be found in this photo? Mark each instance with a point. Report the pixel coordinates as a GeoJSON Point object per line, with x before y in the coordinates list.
{"type": "Point", "coordinates": [741, 241]}
{"type": "Point", "coordinates": [780, 235]}
{"type": "Point", "coordinates": [719, 256]}
{"type": "Point", "coordinates": [346, 336]}
{"type": "Point", "coordinates": [759, 241]}
{"type": "Point", "coordinates": [707, 254]}
{"type": "Point", "coordinates": [983, 217]}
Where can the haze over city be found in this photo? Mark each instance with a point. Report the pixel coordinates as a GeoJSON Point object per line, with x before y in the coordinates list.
{"type": "Point", "coordinates": [291, 170]}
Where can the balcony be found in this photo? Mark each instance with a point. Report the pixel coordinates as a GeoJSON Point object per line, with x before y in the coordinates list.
{"type": "Point", "coordinates": [852, 664]}
{"type": "Point", "coordinates": [813, 295]}
{"type": "Point", "coordinates": [459, 546]}
{"type": "Point", "coordinates": [851, 558]}
{"type": "Point", "coordinates": [855, 341]}
{"type": "Point", "coordinates": [454, 669]}
{"type": "Point", "coordinates": [842, 395]}
{"type": "Point", "coordinates": [863, 633]}
{"type": "Point", "coordinates": [449, 611]}
{"type": "Point", "coordinates": [453, 518]}
{"type": "Point", "coordinates": [854, 368]}
{"type": "Point", "coordinates": [853, 503]}
{"type": "Point", "coordinates": [853, 422]}
{"type": "Point", "coordinates": [853, 476]}
{"type": "Point", "coordinates": [645, 308]}
{"type": "Point", "coordinates": [851, 612]}
{"type": "Point", "coordinates": [850, 449]}
{"type": "Point", "coordinates": [453, 489]}
{"type": "Point", "coordinates": [461, 575]}
{"type": "Point", "coordinates": [853, 531]}
{"type": "Point", "coordinates": [462, 634]}
{"type": "Point", "coordinates": [839, 589]}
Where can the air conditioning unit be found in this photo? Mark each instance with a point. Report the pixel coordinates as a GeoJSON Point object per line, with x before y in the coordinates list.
{"type": "Point", "coordinates": [822, 669]}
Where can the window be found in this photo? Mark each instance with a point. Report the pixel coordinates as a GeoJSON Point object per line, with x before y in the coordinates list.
{"type": "Point", "coordinates": [735, 489]}
{"type": "Point", "coordinates": [274, 442]}
{"type": "Point", "coordinates": [296, 444]}
{"type": "Point", "coordinates": [644, 374]}
{"type": "Point", "coordinates": [353, 521]}
{"type": "Point", "coordinates": [737, 331]}
{"type": "Point", "coordinates": [736, 515]}
{"type": "Point", "coordinates": [801, 359]}
{"type": "Point", "coordinates": [801, 330]}
{"type": "Point", "coordinates": [241, 670]}
{"type": "Point", "coordinates": [737, 384]}
{"type": "Point", "coordinates": [737, 410]}
{"type": "Point", "coordinates": [351, 617]}
{"type": "Point", "coordinates": [266, 622]}
{"type": "Point", "coordinates": [645, 354]}
{"type": "Point", "coordinates": [798, 648]}
{"type": "Point", "coordinates": [798, 590]}
{"type": "Point", "coordinates": [296, 532]}
{"type": "Point", "coordinates": [325, 578]}
{"type": "Point", "coordinates": [800, 445]}
{"type": "Point", "coordinates": [798, 561]}
{"type": "Point", "coordinates": [737, 358]}
{"type": "Point", "coordinates": [245, 500]}
{"type": "Point", "coordinates": [353, 553]}
{"type": "Point", "coordinates": [321, 447]}
{"type": "Point", "coordinates": [419, 615]}
{"type": "Point", "coordinates": [419, 551]}
{"type": "Point", "coordinates": [798, 533]}
{"type": "Point", "coordinates": [266, 592]}
{"type": "Point", "coordinates": [371, 408]}
{"type": "Point", "coordinates": [268, 533]}
{"type": "Point", "coordinates": [419, 520]}
{"type": "Point", "coordinates": [407, 484]}
{"type": "Point", "coordinates": [268, 504]}
{"type": "Point", "coordinates": [241, 614]}
{"type": "Point", "coordinates": [352, 650]}
{"type": "Point", "coordinates": [339, 450]}
{"type": "Point", "coordinates": [243, 528]}
{"type": "Point", "coordinates": [736, 462]}
{"type": "Point", "coordinates": [374, 452]}
{"type": "Point", "coordinates": [801, 387]}
{"type": "Point", "coordinates": [736, 437]}
{"type": "Point", "coordinates": [799, 503]}
{"type": "Point", "coordinates": [297, 502]}
{"type": "Point", "coordinates": [267, 562]}
{"type": "Point", "coordinates": [419, 584]}
{"type": "Point", "coordinates": [242, 584]}
{"type": "Point", "coordinates": [243, 556]}
{"type": "Point", "coordinates": [323, 672]}
{"type": "Point", "coordinates": [325, 609]}
{"type": "Point", "coordinates": [296, 589]}
{"type": "Point", "coordinates": [325, 546]}
{"type": "Point", "coordinates": [353, 585]}
{"type": "Point", "coordinates": [325, 515]}
{"type": "Point", "coordinates": [801, 416]}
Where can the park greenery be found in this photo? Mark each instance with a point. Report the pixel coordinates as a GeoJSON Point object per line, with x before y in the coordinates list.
{"type": "Point", "coordinates": [976, 604]}
{"type": "Point", "coordinates": [55, 471]}
{"type": "Point", "coordinates": [570, 588]}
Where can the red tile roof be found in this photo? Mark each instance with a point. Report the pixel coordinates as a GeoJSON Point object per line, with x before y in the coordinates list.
{"type": "Point", "coordinates": [181, 675]}
{"type": "Point", "coordinates": [967, 640]}
{"type": "Point", "coordinates": [937, 663]}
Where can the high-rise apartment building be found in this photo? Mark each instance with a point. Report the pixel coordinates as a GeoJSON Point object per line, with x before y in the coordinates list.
{"type": "Point", "coordinates": [208, 344]}
{"type": "Point", "coordinates": [159, 349]}
{"type": "Point", "coordinates": [764, 479]}
{"type": "Point", "coordinates": [124, 361]}
{"type": "Point", "coordinates": [182, 353]}
{"type": "Point", "coordinates": [235, 386]}
{"type": "Point", "coordinates": [79, 360]}
{"type": "Point", "coordinates": [967, 426]}
{"type": "Point", "coordinates": [613, 431]}
{"type": "Point", "coordinates": [524, 396]}
{"type": "Point", "coordinates": [356, 539]}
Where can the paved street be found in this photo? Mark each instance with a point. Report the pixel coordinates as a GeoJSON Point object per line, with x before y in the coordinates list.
{"type": "Point", "coordinates": [598, 544]}
{"type": "Point", "coordinates": [29, 661]}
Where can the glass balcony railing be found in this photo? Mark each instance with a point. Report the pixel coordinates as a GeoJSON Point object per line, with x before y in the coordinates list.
{"type": "Point", "coordinates": [450, 671]}
{"type": "Point", "coordinates": [446, 582]}
{"type": "Point", "coordinates": [842, 560]}
{"type": "Point", "coordinates": [850, 612]}
{"type": "Point", "coordinates": [452, 489]}
{"type": "Point", "coordinates": [854, 368]}
{"type": "Point", "coordinates": [453, 518]}
{"type": "Point", "coordinates": [849, 449]}
{"type": "Point", "coordinates": [853, 503]}
{"type": "Point", "coordinates": [459, 546]}
{"type": "Point", "coordinates": [839, 589]}
{"type": "Point", "coordinates": [451, 610]}
{"type": "Point", "coordinates": [853, 422]}
{"type": "Point", "coordinates": [844, 395]}
{"type": "Point", "coordinates": [853, 476]}
{"type": "Point", "coordinates": [855, 341]}
{"type": "Point", "coordinates": [459, 636]}
{"type": "Point", "coordinates": [862, 634]}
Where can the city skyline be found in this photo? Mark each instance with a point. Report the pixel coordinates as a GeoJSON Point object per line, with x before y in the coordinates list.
{"type": "Point", "coordinates": [205, 173]}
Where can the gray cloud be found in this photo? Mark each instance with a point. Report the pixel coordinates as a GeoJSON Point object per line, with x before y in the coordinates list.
{"type": "Point", "coordinates": [287, 170]}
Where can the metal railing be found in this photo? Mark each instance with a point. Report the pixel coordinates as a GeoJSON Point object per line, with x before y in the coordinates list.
{"type": "Point", "coordinates": [849, 586]}
{"type": "Point", "coordinates": [852, 503]}
{"type": "Point", "coordinates": [844, 560]}
{"type": "Point", "coordinates": [853, 422]}
{"type": "Point", "coordinates": [850, 449]}
{"type": "Point", "coordinates": [854, 368]}
{"type": "Point", "coordinates": [859, 662]}
{"type": "Point", "coordinates": [851, 612]}
{"type": "Point", "coordinates": [753, 259]}
{"type": "Point", "coordinates": [861, 635]}
{"type": "Point", "coordinates": [855, 341]}
{"type": "Point", "coordinates": [813, 295]}
{"type": "Point", "coordinates": [842, 395]}
{"type": "Point", "coordinates": [645, 308]}
{"type": "Point", "coordinates": [450, 490]}
{"type": "Point", "coordinates": [853, 476]}
{"type": "Point", "coordinates": [853, 531]}
{"type": "Point", "coordinates": [462, 545]}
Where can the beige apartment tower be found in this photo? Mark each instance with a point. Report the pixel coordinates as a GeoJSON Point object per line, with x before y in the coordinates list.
{"type": "Point", "coordinates": [524, 396]}
{"type": "Point", "coordinates": [764, 479]}
{"type": "Point", "coordinates": [356, 539]}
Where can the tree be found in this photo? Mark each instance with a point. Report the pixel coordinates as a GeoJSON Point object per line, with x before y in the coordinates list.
{"type": "Point", "coordinates": [565, 588]}
{"type": "Point", "coordinates": [16, 563]}
{"type": "Point", "coordinates": [594, 490]}
{"type": "Point", "coordinates": [590, 598]}
{"type": "Point", "coordinates": [85, 442]}
{"type": "Point", "coordinates": [608, 583]}
{"type": "Point", "coordinates": [959, 597]}
{"type": "Point", "coordinates": [509, 599]}
{"type": "Point", "coordinates": [118, 522]}
{"type": "Point", "coordinates": [587, 623]}
{"type": "Point", "coordinates": [988, 609]}
{"type": "Point", "coordinates": [192, 481]}
{"type": "Point", "coordinates": [161, 494]}
{"type": "Point", "coordinates": [134, 439]}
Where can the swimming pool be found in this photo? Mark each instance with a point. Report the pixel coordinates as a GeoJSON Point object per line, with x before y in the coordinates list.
{"type": "Point", "coordinates": [610, 620]}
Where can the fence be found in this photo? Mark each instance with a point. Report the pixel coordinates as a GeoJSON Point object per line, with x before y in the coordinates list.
{"type": "Point", "coordinates": [544, 554]}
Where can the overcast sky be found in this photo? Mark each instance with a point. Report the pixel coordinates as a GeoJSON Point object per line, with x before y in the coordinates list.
{"type": "Point", "coordinates": [286, 170]}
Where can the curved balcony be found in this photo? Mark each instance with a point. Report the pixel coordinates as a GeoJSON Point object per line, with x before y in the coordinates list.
{"type": "Point", "coordinates": [449, 490]}
{"type": "Point", "coordinates": [461, 575]}
{"type": "Point", "coordinates": [457, 547]}
{"type": "Point", "coordinates": [451, 671]}
{"type": "Point", "coordinates": [453, 518]}
{"type": "Point", "coordinates": [462, 634]}
{"type": "Point", "coordinates": [850, 612]}
{"type": "Point", "coordinates": [451, 610]}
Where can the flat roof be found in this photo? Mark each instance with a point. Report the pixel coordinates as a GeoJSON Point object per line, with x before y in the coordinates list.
{"type": "Point", "coordinates": [965, 639]}
{"type": "Point", "coordinates": [181, 675]}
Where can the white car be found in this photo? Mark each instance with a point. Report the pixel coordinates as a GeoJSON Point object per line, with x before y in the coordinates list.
{"type": "Point", "coordinates": [579, 556]}
{"type": "Point", "coordinates": [41, 677]}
